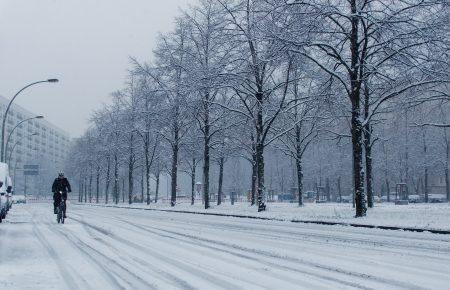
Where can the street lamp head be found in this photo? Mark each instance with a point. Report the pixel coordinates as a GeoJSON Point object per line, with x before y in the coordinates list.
{"type": "Point", "coordinates": [52, 80]}
{"type": "Point", "coordinates": [34, 134]}
{"type": "Point", "coordinates": [39, 117]}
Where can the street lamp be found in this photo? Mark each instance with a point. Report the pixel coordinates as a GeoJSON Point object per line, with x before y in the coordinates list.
{"type": "Point", "coordinates": [14, 147]}
{"type": "Point", "coordinates": [2, 153]}
{"type": "Point", "coordinates": [18, 124]}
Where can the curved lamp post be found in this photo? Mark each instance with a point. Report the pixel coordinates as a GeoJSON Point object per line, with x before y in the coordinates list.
{"type": "Point", "coordinates": [14, 147]}
{"type": "Point", "coordinates": [2, 153]}
{"type": "Point", "coordinates": [15, 127]}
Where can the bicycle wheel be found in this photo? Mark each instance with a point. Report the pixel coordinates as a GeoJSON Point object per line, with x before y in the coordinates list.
{"type": "Point", "coordinates": [63, 209]}
{"type": "Point", "coordinates": [58, 215]}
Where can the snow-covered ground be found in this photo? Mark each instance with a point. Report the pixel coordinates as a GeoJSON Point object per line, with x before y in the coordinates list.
{"type": "Point", "coordinates": [423, 216]}
{"type": "Point", "coordinates": [114, 248]}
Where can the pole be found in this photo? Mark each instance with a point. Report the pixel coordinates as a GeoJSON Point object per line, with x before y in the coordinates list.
{"type": "Point", "coordinates": [12, 131]}
{"type": "Point", "coordinates": [2, 152]}
{"type": "Point", "coordinates": [25, 187]}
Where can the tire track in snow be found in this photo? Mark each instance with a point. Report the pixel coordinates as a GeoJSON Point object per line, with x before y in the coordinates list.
{"type": "Point", "coordinates": [51, 227]}
{"type": "Point", "coordinates": [372, 239]}
{"type": "Point", "coordinates": [106, 274]}
{"type": "Point", "coordinates": [190, 268]}
{"type": "Point", "coordinates": [240, 255]}
{"type": "Point", "coordinates": [253, 259]}
{"type": "Point", "coordinates": [112, 264]}
{"type": "Point", "coordinates": [381, 263]}
{"type": "Point", "coordinates": [200, 248]}
{"type": "Point", "coordinates": [399, 248]}
{"type": "Point", "coordinates": [64, 272]}
{"type": "Point", "coordinates": [295, 260]}
{"type": "Point", "coordinates": [360, 241]}
{"type": "Point", "coordinates": [172, 279]}
{"type": "Point", "coordinates": [197, 248]}
{"type": "Point", "coordinates": [271, 255]}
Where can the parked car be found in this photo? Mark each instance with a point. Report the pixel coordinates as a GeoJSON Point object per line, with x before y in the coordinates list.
{"type": "Point", "coordinates": [285, 197]}
{"type": "Point", "coordinates": [5, 190]}
{"type": "Point", "coordinates": [437, 198]}
{"type": "Point", "coordinates": [414, 198]}
{"type": "Point", "coordinates": [346, 198]}
{"type": "Point", "coordinates": [384, 198]}
{"type": "Point", "coordinates": [309, 196]}
{"type": "Point", "coordinates": [19, 199]}
{"type": "Point", "coordinates": [9, 193]}
{"type": "Point", "coordinates": [321, 199]}
{"type": "Point", "coordinates": [3, 209]}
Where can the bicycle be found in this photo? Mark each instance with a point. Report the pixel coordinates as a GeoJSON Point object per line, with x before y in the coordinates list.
{"type": "Point", "coordinates": [60, 210]}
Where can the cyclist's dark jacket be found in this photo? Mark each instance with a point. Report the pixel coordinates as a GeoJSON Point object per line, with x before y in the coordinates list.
{"type": "Point", "coordinates": [61, 184]}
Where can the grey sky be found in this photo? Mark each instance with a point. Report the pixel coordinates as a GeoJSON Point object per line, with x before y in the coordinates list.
{"type": "Point", "coordinates": [84, 43]}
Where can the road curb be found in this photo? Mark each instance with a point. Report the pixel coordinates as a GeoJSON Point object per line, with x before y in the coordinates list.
{"type": "Point", "coordinates": [318, 222]}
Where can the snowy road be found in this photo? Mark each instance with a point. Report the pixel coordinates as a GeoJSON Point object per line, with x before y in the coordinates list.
{"type": "Point", "coordinates": [108, 248]}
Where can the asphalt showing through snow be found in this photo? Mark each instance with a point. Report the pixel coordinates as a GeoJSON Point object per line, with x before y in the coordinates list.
{"type": "Point", "coordinates": [113, 248]}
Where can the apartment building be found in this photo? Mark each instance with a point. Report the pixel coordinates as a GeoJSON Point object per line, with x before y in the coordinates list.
{"type": "Point", "coordinates": [35, 142]}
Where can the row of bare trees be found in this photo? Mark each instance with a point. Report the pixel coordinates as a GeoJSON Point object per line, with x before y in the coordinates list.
{"type": "Point", "coordinates": [236, 78]}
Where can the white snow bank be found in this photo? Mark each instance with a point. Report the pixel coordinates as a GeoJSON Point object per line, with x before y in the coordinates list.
{"type": "Point", "coordinates": [422, 216]}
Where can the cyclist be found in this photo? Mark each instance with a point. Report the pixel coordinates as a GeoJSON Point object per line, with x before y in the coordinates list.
{"type": "Point", "coordinates": [61, 184]}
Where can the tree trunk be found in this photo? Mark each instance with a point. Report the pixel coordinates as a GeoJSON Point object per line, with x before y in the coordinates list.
{"type": "Point", "coordinates": [147, 167]}
{"type": "Point", "coordinates": [298, 163]}
{"type": "Point", "coordinates": [97, 185]}
{"type": "Point", "coordinates": [260, 176]}
{"type": "Point", "coordinates": [358, 174]}
{"type": "Point", "coordinates": [339, 188]}
{"type": "Point", "coordinates": [369, 174]}
{"type": "Point", "coordinates": [90, 187]}
{"type": "Point", "coordinates": [108, 179]}
{"type": "Point", "coordinates": [368, 157]}
{"type": "Point", "coordinates": [260, 149]}
{"type": "Point", "coordinates": [123, 190]}
{"type": "Point", "coordinates": [426, 184]}
{"type": "Point", "coordinates": [85, 189]}
{"type": "Point", "coordinates": [447, 178]}
{"type": "Point", "coordinates": [142, 184]}
{"type": "Point", "coordinates": [447, 160]}
{"type": "Point", "coordinates": [425, 166]}
{"type": "Point", "coordinates": [219, 191]}
{"type": "Point", "coordinates": [173, 197]}
{"type": "Point", "coordinates": [356, 125]}
{"type": "Point", "coordinates": [116, 179]}
{"type": "Point", "coordinates": [447, 183]}
{"type": "Point", "coordinates": [81, 191]}
{"type": "Point", "coordinates": [130, 172]}
{"type": "Point", "coordinates": [193, 181]}
{"type": "Point", "coordinates": [254, 178]}
{"type": "Point", "coordinates": [368, 146]}
{"type": "Point", "coordinates": [206, 163]}
{"type": "Point", "coordinates": [388, 188]}
{"type": "Point", "coordinates": [327, 189]}
{"type": "Point", "coordinates": [157, 186]}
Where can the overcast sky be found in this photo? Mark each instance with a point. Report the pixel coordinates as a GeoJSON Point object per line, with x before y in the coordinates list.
{"type": "Point", "coordinates": [84, 43]}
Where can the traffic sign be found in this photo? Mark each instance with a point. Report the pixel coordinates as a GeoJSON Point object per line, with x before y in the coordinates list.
{"type": "Point", "coordinates": [31, 169]}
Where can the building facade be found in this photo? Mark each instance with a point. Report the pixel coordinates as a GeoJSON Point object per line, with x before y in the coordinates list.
{"type": "Point", "coordinates": [35, 142]}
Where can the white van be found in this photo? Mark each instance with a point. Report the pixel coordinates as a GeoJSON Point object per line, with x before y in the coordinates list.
{"type": "Point", "coordinates": [5, 190]}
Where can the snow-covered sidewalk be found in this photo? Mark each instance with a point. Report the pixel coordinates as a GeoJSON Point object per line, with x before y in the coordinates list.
{"type": "Point", "coordinates": [419, 216]}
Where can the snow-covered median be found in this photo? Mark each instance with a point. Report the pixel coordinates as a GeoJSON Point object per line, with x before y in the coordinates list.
{"type": "Point", "coordinates": [420, 216]}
